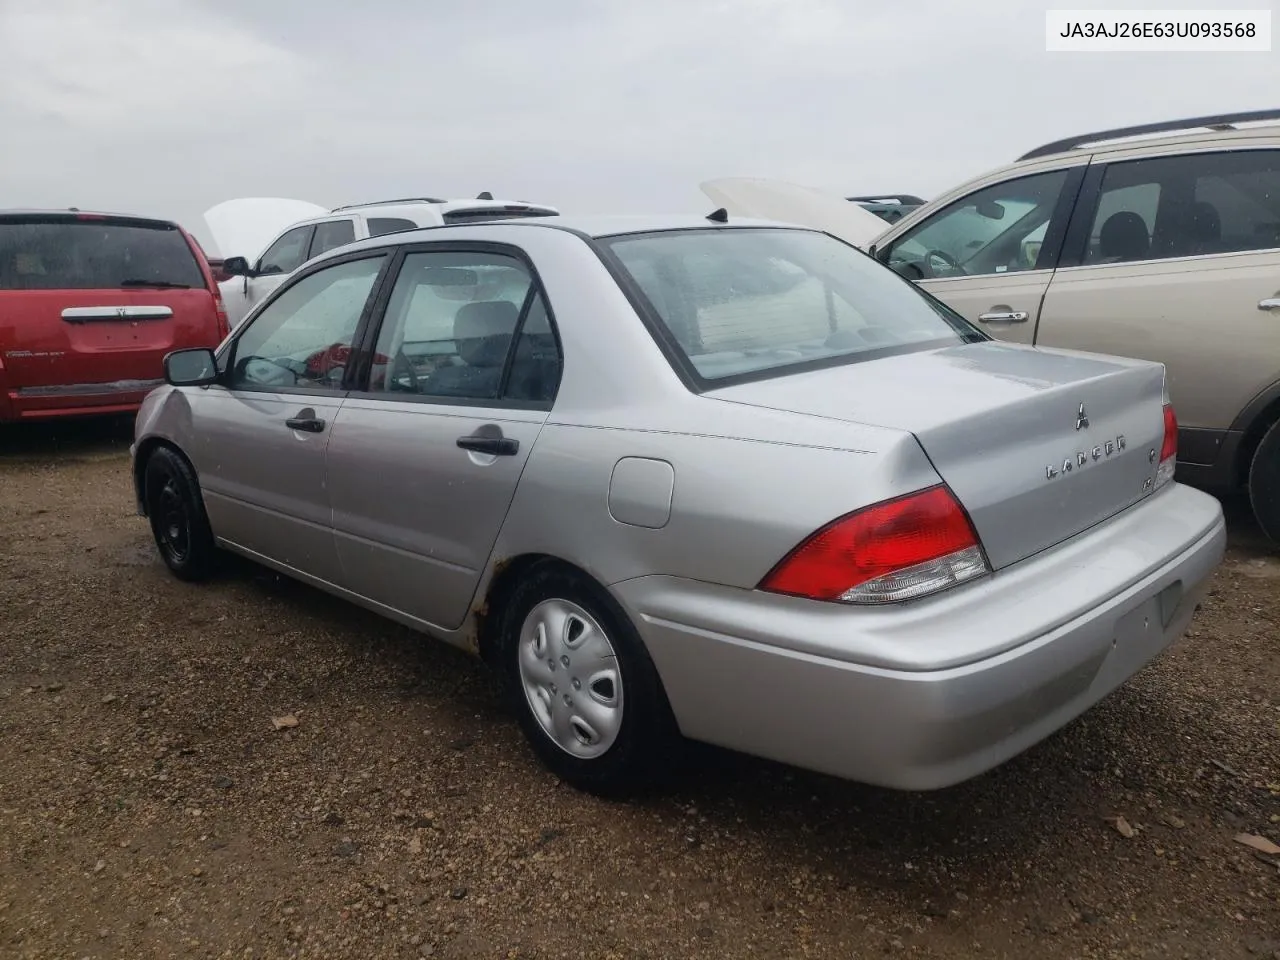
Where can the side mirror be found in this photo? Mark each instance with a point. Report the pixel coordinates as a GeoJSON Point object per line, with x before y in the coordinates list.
{"type": "Point", "coordinates": [236, 267]}
{"type": "Point", "coordinates": [196, 367]}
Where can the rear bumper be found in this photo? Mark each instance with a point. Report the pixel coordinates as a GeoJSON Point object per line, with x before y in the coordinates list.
{"type": "Point", "coordinates": [72, 400]}
{"type": "Point", "coordinates": [938, 691]}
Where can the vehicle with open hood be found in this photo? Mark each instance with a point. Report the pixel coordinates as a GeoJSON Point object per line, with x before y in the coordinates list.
{"type": "Point", "coordinates": [263, 239]}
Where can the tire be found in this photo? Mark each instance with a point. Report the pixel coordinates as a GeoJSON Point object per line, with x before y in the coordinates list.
{"type": "Point", "coordinates": [179, 523]}
{"type": "Point", "coordinates": [603, 725]}
{"type": "Point", "coordinates": [1264, 483]}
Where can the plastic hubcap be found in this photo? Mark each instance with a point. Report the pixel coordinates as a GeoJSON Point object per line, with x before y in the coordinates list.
{"type": "Point", "coordinates": [571, 678]}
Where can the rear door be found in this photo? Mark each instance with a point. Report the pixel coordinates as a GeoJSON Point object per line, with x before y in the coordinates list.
{"type": "Point", "coordinates": [991, 254]}
{"type": "Point", "coordinates": [1176, 258]}
{"type": "Point", "coordinates": [88, 300]}
{"type": "Point", "coordinates": [424, 462]}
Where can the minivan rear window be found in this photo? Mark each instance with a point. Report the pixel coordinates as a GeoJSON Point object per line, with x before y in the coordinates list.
{"type": "Point", "coordinates": [93, 253]}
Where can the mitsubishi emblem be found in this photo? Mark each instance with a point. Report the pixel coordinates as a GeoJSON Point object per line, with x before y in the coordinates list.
{"type": "Point", "coordinates": [1082, 418]}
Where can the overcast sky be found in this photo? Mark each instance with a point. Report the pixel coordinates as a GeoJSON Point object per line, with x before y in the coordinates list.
{"type": "Point", "coordinates": [167, 107]}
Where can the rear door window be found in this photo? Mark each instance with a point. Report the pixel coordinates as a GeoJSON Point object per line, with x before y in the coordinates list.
{"type": "Point", "coordinates": [94, 253]}
{"type": "Point", "coordinates": [331, 235]}
{"type": "Point", "coordinates": [1192, 205]}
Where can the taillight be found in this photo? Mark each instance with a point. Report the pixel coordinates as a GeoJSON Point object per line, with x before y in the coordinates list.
{"type": "Point", "coordinates": [896, 550]}
{"type": "Point", "coordinates": [1169, 448]}
{"type": "Point", "coordinates": [220, 311]}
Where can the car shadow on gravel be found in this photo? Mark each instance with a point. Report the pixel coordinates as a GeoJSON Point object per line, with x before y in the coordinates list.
{"type": "Point", "coordinates": [66, 441]}
{"type": "Point", "coordinates": [912, 844]}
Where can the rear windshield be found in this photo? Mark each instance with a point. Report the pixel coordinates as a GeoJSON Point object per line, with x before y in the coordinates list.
{"type": "Point", "coordinates": [93, 254]}
{"type": "Point", "coordinates": [748, 301]}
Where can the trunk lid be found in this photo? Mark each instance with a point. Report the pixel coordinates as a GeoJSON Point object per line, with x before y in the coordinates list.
{"type": "Point", "coordinates": [97, 300]}
{"type": "Point", "coordinates": [1038, 445]}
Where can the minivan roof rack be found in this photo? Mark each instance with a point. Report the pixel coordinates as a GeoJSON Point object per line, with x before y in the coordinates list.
{"type": "Point", "coordinates": [1223, 121]}
{"type": "Point", "coordinates": [385, 203]}
{"type": "Point", "coordinates": [902, 198]}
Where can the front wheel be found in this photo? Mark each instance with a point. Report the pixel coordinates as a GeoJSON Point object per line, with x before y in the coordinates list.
{"type": "Point", "coordinates": [178, 520]}
{"type": "Point", "coordinates": [588, 697]}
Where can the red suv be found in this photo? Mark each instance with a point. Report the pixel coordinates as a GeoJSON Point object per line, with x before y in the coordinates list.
{"type": "Point", "coordinates": [89, 305]}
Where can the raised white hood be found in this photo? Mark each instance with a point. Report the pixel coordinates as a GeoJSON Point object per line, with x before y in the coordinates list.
{"type": "Point", "coordinates": [792, 203]}
{"type": "Point", "coordinates": [244, 227]}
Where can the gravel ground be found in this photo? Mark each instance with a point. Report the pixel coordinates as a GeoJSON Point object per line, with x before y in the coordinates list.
{"type": "Point", "coordinates": [149, 808]}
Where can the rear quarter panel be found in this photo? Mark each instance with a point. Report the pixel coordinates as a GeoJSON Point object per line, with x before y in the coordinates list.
{"type": "Point", "coordinates": [742, 494]}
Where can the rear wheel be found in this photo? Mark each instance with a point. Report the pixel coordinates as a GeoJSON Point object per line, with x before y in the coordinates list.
{"type": "Point", "coordinates": [1264, 483]}
{"type": "Point", "coordinates": [176, 511]}
{"type": "Point", "coordinates": [588, 697]}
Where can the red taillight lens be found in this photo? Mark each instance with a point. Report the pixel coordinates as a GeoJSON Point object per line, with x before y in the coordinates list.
{"type": "Point", "coordinates": [896, 550]}
{"type": "Point", "coordinates": [1169, 448]}
{"type": "Point", "coordinates": [220, 311]}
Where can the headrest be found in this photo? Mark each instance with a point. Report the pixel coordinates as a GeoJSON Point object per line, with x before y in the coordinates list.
{"type": "Point", "coordinates": [1125, 236]}
{"type": "Point", "coordinates": [1206, 224]}
{"type": "Point", "coordinates": [482, 331]}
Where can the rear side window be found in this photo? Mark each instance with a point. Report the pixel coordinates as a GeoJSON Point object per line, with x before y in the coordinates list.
{"type": "Point", "coordinates": [332, 235]}
{"type": "Point", "coordinates": [380, 225]}
{"type": "Point", "coordinates": [1185, 206]}
{"type": "Point", "coordinates": [742, 302]}
{"type": "Point", "coordinates": [64, 253]}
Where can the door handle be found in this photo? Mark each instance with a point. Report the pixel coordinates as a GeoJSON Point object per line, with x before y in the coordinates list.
{"type": "Point", "coordinates": [1271, 303]}
{"type": "Point", "coordinates": [1009, 316]}
{"type": "Point", "coordinates": [306, 421]}
{"type": "Point", "coordinates": [497, 446]}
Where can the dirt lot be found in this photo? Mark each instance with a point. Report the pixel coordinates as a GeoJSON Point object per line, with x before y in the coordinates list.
{"type": "Point", "coordinates": [149, 809]}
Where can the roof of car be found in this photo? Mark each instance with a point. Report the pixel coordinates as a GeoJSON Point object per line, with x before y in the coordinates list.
{"type": "Point", "coordinates": [72, 214]}
{"type": "Point", "coordinates": [596, 227]}
{"type": "Point", "coordinates": [445, 206]}
{"type": "Point", "coordinates": [1230, 126]}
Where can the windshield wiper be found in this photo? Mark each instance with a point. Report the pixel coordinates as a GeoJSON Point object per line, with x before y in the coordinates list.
{"type": "Point", "coordinates": [164, 284]}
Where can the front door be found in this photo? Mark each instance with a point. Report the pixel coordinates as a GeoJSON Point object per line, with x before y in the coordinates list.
{"type": "Point", "coordinates": [990, 255]}
{"type": "Point", "coordinates": [423, 464]}
{"type": "Point", "coordinates": [262, 437]}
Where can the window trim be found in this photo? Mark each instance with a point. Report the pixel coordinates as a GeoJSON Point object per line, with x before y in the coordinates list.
{"type": "Point", "coordinates": [284, 233]}
{"type": "Point", "coordinates": [364, 350]}
{"type": "Point", "coordinates": [228, 350]}
{"type": "Point", "coordinates": [1081, 225]}
{"type": "Point", "coordinates": [695, 383]}
{"type": "Point", "coordinates": [1056, 229]}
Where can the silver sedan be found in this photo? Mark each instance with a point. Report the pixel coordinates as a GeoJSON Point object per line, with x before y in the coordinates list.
{"type": "Point", "coordinates": [730, 480]}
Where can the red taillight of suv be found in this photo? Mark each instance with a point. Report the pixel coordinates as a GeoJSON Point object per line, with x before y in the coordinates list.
{"type": "Point", "coordinates": [900, 549]}
{"type": "Point", "coordinates": [220, 311]}
{"type": "Point", "coordinates": [1169, 448]}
